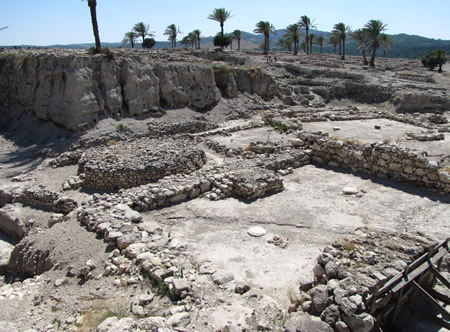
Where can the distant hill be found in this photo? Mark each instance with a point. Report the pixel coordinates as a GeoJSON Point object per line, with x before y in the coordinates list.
{"type": "Point", "coordinates": [405, 46]}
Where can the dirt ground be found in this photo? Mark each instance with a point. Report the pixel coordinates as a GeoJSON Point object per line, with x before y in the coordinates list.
{"type": "Point", "coordinates": [309, 214]}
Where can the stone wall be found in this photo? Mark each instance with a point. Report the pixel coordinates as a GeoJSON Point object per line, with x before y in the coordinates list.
{"type": "Point", "coordinates": [131, 164]}
{"type": "Point", "coordinates": [47, 199]}
{"type": "Point", "coordinates": [382, 159]}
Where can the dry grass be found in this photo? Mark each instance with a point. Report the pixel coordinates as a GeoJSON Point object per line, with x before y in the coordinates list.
{"type": "Point", "coordinates": [350, 245]}
{"type": "Point", "coordinates": [103, 309]}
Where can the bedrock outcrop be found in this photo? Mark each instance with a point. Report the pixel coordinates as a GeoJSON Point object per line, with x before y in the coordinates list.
{"type": "Point", "coordinates": [76, 90]}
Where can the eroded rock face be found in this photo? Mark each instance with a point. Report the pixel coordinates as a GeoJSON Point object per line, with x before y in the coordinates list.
{"type": "Point", "coordinates": [232, 80]}
{"type": "Point", "coordinates": [183, 84]}
{"type": "Point", "coordinates": [76, 90]}
{"type": "Point", "coordinates": [11, 222]}
{"type": "Point", "coordinates": [30, 260]}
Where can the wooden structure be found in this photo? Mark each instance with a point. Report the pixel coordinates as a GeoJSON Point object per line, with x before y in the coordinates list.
{"type": "Point", "coordinates": [417, 279]}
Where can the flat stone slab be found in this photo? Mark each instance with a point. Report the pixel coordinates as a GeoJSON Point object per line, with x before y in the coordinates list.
{"type": "Point", "coordinates": [256, 231]}
{"type": "Point", "coordinates": [350, 191]}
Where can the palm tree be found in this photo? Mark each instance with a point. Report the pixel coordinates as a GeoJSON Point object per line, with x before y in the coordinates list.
{"type": "Point", "coordinates": [359, 36]}
{"type": "Point", "coordinates": [333, 40]}
{"type": "Point", "coordinates": [237, 36]}
{"type": "Point", "coordinates": [198, 37]}
{"type": "Point", "coordinates": [142, 30]}
{"type": "Point", "coordinates": [130, 37]}
{"type": "Point", "coordinates": [320, 40]}
{"type": "Point", "coordinates": [387, 43]}
{"type": "Point", "coordinates": [185, 41]}
{"type": "Point", "coordinates": [220, 15]}
{"type": "Point", "coordinates": [285, 43]}
{"type": "Point", "coordinates": [341, 30]}
{"type": "Point", "coordinates": [172, 31]}
{"type": "Point", "coordinates": [265, 28]}
{"type": "Point", "coordinates": [305, 22]}
{"type": "Point", "coordinates": [192, 39]}
{"type": "Point", "coordinates": [440, 57]}
{"type": "Point", "coordinates": [312, 38]}
{"type": "Point", "coordinates": [293, 33]}
{"type": "Point", "coordinates": [93, 7]}
{"type": "Point", "coordinates": [374, 30]}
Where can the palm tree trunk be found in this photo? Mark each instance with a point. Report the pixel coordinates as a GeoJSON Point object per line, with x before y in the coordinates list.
{"type": "Point", "coordinates": [239, 44]}
{"type": "Point", "coordinates": [306, 40]}
{"type": "Point", "coordinates": [321, 46]}
{"type": "Point", "coordinates": [343, 49]}
{"type": "Point", "coordinates": [92, 6]}
{"type": "Point", "coordinates": [266, 48]}
{"type": "Point", "coordinates": [364, 54]}
{"type": "Point", "coordinates": [231, 45]}
{"type": "Point", "coordinates": [340, 47]}
{"type": "Point", "coordinates": [334, 48]}
{"type": "Point", "coordinates": [372, 59]}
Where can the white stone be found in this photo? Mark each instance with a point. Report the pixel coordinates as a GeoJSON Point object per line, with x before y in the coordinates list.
{"type": "Point", "coordinates": [256, 231]}
{"type": "Point", "coordinates": [350, 191]}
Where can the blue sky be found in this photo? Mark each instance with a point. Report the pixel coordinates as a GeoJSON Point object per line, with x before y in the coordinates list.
{"type": "Point", "coordinates": [46, 22]}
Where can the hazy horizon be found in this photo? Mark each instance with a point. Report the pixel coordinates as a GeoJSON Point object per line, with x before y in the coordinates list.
{"type": "Point", "coordinates": [51, 22]}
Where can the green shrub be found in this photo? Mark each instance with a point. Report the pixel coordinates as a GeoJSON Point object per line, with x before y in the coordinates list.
{"type": "Point", "coordinates": [435, 59]}
{"type": "Point", "coordinates": [222, 41]}
{"type": "Point", "coordinates": [148, 43]}
{"type": "Point", "coordinates": [121, 126]}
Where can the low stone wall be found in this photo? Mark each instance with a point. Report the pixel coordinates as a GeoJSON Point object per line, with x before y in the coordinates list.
{"type": "Point", "coordinates": [157, 129]}
{"type": "Point", "coordinates": [382, 159]}
{"type": "Point", "coordinates": [131, 164]}
{"type": "Point", "coordinates": [47, 199]}
{"type": "Point", "coordinates": [66, 159]}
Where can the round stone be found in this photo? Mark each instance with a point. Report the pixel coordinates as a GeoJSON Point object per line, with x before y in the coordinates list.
{"type": "Point", "coordinates": [256, 231]}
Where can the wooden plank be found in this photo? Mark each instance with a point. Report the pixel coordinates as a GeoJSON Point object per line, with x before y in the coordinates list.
{"type": "Point", "coordinates": [431, 300]}
{"type": "Point", "coordinates": [440, 277]}
{"type": "Point", "coordinates": [419, 270]}
{"type": "Point", "coordinates": [439, 296]}
{"type": "Point", "coordinates": [441, 248]}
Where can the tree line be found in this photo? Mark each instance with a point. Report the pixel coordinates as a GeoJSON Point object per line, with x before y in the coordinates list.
{"type": "Point", "coordinates": [369, 39]}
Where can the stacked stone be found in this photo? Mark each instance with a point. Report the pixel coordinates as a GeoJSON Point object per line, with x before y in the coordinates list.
{"type": "Point", "coordinates": [381, 159]}
{"type": "Point", "coordinates": [169, 129]}
{"type": "Point", "coordinates": [251, 183]}
{"type": "Point", "coordinates": [290, 159]}
{"type": "Point", "coordinates": [131, 164]}
{"type": "Point", "coordinates": [223, 149]}
{"type": "Point", "coordinates": [47, 199]}
{"type": "Point", "coordinates": [243, 179]}
{"type": "Point", "coordinates": [348, 272]}
{"type": "Point", "coordinates": [66, 159]}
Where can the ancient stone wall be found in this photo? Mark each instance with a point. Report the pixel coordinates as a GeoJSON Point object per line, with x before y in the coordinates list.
{"type": "Point", "coordinates": [131, 164]}
{"type": "Point", "coordinates": [381, 159]}
{"type": "Point", "coordinates": [47, 199]}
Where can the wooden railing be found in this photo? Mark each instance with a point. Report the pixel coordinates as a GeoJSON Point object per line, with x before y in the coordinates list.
{"type": "Point", "coordinates": [418, 278]}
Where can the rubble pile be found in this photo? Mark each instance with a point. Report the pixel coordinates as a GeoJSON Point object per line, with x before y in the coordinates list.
{"type": "Point", "coordinates": [349, 271]}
